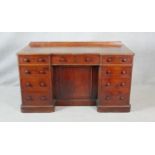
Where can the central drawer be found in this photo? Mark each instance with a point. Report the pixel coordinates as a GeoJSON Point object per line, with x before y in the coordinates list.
{"type": "Point", "coordinates": [82, 59]}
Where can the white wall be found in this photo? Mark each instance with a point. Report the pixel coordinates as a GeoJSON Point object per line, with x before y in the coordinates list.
{"type": "Point", "coordinates": [143, 44]}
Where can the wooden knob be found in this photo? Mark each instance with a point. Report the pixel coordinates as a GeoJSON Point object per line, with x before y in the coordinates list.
{"type": "Point", "coordinates": [108, 84]}
{"type": "Point", "coordinates": [43, 98]}
{"type": "Point", "coordinates": [107, 98]}
{"type": "Point", "coordinates": [41, 60]}
{"type": "Point", "coordinates": [122, 98]}
{"type": "Point", "coordinates": [27, 72]}
{"type": "Point", "coordinates": [88, 59]}
{"type": "Point", "coordinates": [109, 60]}
{"type": "Point", "coordinates": [29, 98]}
{"type": "Point", "coordinates": [122, 84]}
{"type": "Point", "coordinates": [123, 72]}
{"type": "Point", "coordinates": [26, 60]}
{"type": "Point", "coordinates": [28, 84]}
{"type": "Point", "coordinates": [124, 60]}
{"type": "Point", "coordinates": [42, 84]}
{"type": "Point", "coordinates": [42, 72]}
{"type": "Point", "coordinates": [62, 59]}
{"type": "Point", "coordinates": [108, 72]}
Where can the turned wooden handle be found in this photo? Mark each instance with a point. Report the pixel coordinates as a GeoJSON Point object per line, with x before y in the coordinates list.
{"type": "Point", "coordinates": [62, 59]}
{"type": "Point", "coordinates": [124, 60]}
{"type": "Point", "coordinates": [43, 98]}
{"type": "Point", "coordinates": [41, 60]}
{"type": "Point", "coordinates": [27, 72]}
{"type": "Point", "coordinates": [123, 72]}
{"type": "Point", "coordinates": [88, 59]}
{"type": "Point", "coordinates": [42, 84]}
{"type": "Point", "coordinates": [108, 84]}
{"type": "Point", "coordinates": [26, 60]}
{"type": "Point", "coordinates": [28, 84]}
{"type": "Point", "coordinates": [109, 60]}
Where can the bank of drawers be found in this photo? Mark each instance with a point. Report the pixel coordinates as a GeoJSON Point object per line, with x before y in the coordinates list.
{"type": "Point", "coordinates": [35, 80]}
{"type": "Point", "coordinates": [115, 80]}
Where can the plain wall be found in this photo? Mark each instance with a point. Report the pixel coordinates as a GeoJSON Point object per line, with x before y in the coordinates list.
{"type": "Point", "coordinates": [143, 44]}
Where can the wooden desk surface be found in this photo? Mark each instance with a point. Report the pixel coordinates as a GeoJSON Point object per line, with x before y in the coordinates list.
{"type": "Point", "coordinates": [102, 48]}
{"type": "Point", "coordinates": [75, 74]}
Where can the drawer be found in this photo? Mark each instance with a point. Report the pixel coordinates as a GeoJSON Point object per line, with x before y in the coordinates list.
{"type": "Point", "coordinates": [75, 59]}
{"type": "Point", "coordinates": [116, 71]}
{"type": "Point", "coordinates": [34, 59]}
{"type": "Point", "coordinates": [115, 99]}
{"type": "Point", "coordinates": [35, 84]}
{"type": "Point", "coordinates": [115, 84]}
{"type": "Point", "coordinates": [30, 71]}
{"type": "Point", "coordinates": [117, 59]}
{"type": "Point", "coordinates": [88, 59]}
{"type": "Point", "coordinates": [36, 99]}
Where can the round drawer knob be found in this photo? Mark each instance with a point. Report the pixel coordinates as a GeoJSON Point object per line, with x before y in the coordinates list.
{"type": "Point", "coordinates": [122, 84]}
{"type": "Point", "coordinates": [27, 72]}
{"type": "Point", "coordinates": [108, 72]}
{"type": "Point", "coordinates": [41, 60]}
{"type": "Point", "coordinates": [29, 98]}
{"type": "Point", "coordinates": [42, 72]}
{"type": "Point", "coordinates": [42, 84]}
{"type": "Point", "coordinates": [87, 59]}
{"type": "Point", "coordinates": [108, 84]}
{"type": "Point", "coordinates": [107, 98]}
{"type": "Point", "coordinates": [109, 60]}
{"type": "Point", "coordinates": [28, 84]}
{"type": "Point", "coordinates": [122, 98]}
{"type": "Point", "coordinates": [43, 98]}
{"type": "Point", "coordinates": [123, 72]}
{"type": "Point", "coordinates": [62, 59]}
{"type": "Point", "coordinates": [26, 60]}
{"type": "Point", "coordinates": [124, 60]}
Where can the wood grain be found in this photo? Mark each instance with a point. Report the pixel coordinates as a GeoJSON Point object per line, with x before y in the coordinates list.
{"type": "Point", "coordinates": [75, 44]}
{"type": "Point", "coordinates": [49, 78]}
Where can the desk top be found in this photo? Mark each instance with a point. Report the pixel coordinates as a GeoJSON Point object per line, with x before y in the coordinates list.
{"type": "Point", "coordinates": [102, 48]}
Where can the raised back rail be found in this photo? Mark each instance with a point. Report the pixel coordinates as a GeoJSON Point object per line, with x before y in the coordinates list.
{"type": "Point", "coordinates": [76, 44]}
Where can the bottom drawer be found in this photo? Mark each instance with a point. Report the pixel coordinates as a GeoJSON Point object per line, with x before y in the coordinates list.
{"type": "Point", "coordinates": [36, 99]}
{"type": "Point", "coordinates": [114, 99]}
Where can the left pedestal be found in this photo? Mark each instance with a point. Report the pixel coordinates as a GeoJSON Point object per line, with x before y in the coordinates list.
{"type": "Point", "coordinates": [36, 83]}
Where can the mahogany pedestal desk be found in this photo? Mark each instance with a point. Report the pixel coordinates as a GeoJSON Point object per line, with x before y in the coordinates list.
{"type": "Point", "coordinates": [75, 74]}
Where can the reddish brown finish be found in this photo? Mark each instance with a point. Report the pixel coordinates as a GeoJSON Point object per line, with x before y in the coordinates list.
{"type": "Point", "coordinates": [34, 71]}
{"type": "Point", "coordinates": [116, 71]}
{"type": "Point", "coordinates": [74, 79]}
{"type": "Point", "coordinates": [83, 59]}
{"type": "Point", "coordinates": [75, 82]}
{"type": "Point", "coordinates": [75, 44]}
{"type": "Point", "coordinates": [117, 59]}
{"type": "Point", "coordinates": [34, 59]}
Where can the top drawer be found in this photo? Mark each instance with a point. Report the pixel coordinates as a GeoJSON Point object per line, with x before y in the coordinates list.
{"type": "Point", "coordinates": [117, 59]}
{"type": "Point", "coordinates": [75, 59]}
{"type": "Point", "coordinates": [34, 59]}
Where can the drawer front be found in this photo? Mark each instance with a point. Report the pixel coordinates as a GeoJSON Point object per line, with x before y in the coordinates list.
{"type": "Point", "coordinates": [118, 59]}
{"type": "Point", "coordinates": [115, 99]}
{"type": "Point", "coordinates": [115, 71]}
{"type": "Point", "coordinates": [35, 84]}
{"type": "Point", "coordinates": [34, 99]}
{"type": "Point", "coordinates": [30, 71]}
{"type": "Point", "coordinates": [116, 84]}
{"type": "Point", "coordinates": [88, 59]}
{"type": "Point", "coordinates": [34, 59]}
{"type": "Point", "coordinates": [75, 59]}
